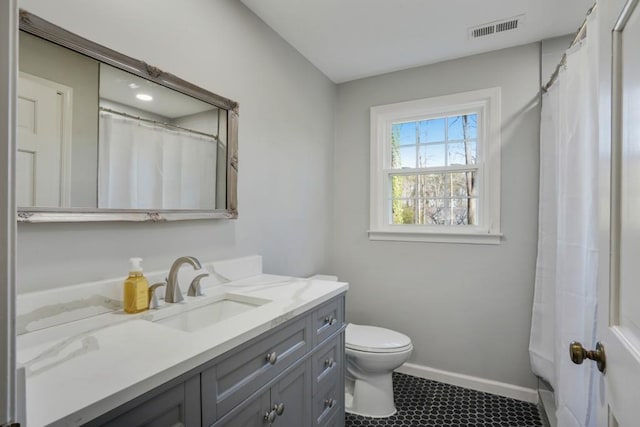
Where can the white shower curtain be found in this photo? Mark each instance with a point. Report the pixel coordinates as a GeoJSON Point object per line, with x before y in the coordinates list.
{"type": "Point", "coordinates": [564, 307]}
{"type": "Point", "coordinates": [144, 166]}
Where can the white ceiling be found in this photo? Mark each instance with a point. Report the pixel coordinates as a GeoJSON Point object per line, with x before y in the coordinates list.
{"type": "Point", "coordinates": [168, 103]}
{"type": "Point", "coordinates": [350, 39]}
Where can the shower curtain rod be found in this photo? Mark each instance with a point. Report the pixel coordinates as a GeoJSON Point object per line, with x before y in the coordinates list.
{"type": "Point", "coordinates": [580, 35]}
{"type": "Point", "coordinates": [166, 125]}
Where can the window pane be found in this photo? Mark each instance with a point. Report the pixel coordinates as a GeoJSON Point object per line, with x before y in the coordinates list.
{"type": "Point", "coordinates": [471, 151]}
{"type": "Point", "coordinates": [459, 212]}
{"type": "Point", "coordinates": [431, 211]}
{"type": "Point", "coordinates": [431, 155]}
{"type": "Point", "coordinates": [462, 184]}
{"type": "Point", "coordinates": [403, 157]}
{"type": "Point", "coordinates": [432, 130]}
{"type": "Point", "coordinates": [403, 211]}
{"type": "Point", "coordinates": [472, 183]}
{"type": "Point", "coordinates": [472, 126]}
{"type": "Point", "coordinates": [462, 127]}
{"type": "Point", "coordinates": [431, 185]}
{"type": "Point", "coordinates": [462, 153]}
{"type": "Point", "coordinates": [403, 186]}
{"type": "Point", "coordinates": [463, 211]}
{"type": "Point", "coordinates": [456, 154]}
{"type": "Point", "coordinates": [403, 133]}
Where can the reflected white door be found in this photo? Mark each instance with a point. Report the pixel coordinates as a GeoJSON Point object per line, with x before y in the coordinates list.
{"type": "Point", "coordinates": [39, 117]}
{"type": "Point", "coordinates": [619, 291]}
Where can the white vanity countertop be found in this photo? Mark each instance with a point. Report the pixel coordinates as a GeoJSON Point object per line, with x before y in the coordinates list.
{"type": "Point", "coordinates": [79, 370]}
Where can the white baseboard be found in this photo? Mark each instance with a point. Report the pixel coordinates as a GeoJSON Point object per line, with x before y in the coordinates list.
{"type": "Point", "coordinates": [467, 381]}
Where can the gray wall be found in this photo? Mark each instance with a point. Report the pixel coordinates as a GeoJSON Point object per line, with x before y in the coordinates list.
{"type": "Point", "coordinates": [285, 144]}
{"type": "Point", "coordinates": [54, 63]}
{"type": "Point", "coordinates": [206, 121]}
{"type": "Point", "coordinates": [467, 308]}
{"type": "Point", "coordinates": [469, 317]}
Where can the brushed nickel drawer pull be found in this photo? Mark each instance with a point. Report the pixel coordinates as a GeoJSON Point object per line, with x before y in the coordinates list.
{"type": "Point", "coordinates": [272, 357]}
{"type": "Point", "coordinates": [330, 320]}
{"type": "Point", "coordinates": [328, 363]}
{"type": "Point", "coordinates": [279, 408]}
{"type": "Point", "coordinates": [328, 403]}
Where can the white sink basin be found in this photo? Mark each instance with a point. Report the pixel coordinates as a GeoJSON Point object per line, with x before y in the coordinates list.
{"type": "Point", "coordinates": [216, 311]}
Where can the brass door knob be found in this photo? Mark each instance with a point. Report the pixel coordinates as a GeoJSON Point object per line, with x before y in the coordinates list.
{"type": "Point", "coordinates": [578, 353]}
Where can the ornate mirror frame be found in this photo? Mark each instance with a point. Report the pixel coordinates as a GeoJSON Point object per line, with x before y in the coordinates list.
{"type": "Point", "coordinates": [39, 27]}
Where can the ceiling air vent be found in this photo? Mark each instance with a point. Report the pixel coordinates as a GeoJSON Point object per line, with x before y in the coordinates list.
{"type": "Point", "coordinates": [483, 31]}
{"type": "Point", "coordinates": [491, 28]}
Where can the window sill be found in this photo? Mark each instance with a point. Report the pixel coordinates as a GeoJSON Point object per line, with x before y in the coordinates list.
{"type": "Point", "coordinates": [466, 237]}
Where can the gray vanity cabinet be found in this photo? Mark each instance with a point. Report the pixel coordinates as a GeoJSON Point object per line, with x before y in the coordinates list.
{"type": "Point", "coordinates": [290, 376]}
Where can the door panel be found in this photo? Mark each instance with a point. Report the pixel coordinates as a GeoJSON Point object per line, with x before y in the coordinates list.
{"type": "Point", "coordinates": [39, 116]}
{"type": "Point", "coordinates": [620, 298]}
{"type": "Point", "coordinates": [629, 291]}
{"type": "Point", "coordinates": [25, 171]}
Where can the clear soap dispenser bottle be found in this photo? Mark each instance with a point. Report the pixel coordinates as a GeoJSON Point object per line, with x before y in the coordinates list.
{"type": "Point", "coordinates": [136, 288]}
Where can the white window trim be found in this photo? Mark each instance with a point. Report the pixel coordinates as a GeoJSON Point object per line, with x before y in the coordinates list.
{"type": "Point", "coordinates": [487, 103]}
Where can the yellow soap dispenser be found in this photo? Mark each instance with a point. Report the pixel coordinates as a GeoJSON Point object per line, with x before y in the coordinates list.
{"type": "Point", "coordinates": [136, 288]}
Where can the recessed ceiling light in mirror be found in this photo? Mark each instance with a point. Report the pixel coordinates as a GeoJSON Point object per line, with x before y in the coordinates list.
{"type": "Point", "coordinates": [144, 97]}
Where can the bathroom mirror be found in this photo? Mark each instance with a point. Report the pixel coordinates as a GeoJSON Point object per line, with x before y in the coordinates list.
{"type": "Point", "coordinates": [105, 137]}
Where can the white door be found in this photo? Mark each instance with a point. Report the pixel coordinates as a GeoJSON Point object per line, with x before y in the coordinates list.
{"type": "Point", "coordinates": [39, 117]}
{"type": "Point", "coordinates": [619, 279]}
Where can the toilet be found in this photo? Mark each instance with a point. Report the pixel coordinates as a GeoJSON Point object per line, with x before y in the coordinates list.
{"type": "Point", "coordinates": [372, 354]}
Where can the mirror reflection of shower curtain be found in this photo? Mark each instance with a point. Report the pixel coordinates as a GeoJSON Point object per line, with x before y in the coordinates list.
{"type": "Point", "coordinates": [146, 166]}
{"type": "Point", "coordinates": [564, 307]}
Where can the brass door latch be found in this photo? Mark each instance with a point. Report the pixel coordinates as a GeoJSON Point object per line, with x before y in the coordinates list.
{"type": "Point", "coordinates": [578, 353]}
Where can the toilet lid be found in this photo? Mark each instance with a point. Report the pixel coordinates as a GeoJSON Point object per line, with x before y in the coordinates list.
{"type": "Point", "coordinates": [375, 340]}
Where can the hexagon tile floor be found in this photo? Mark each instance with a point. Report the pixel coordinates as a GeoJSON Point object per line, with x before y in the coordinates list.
{"type": "Point", "coordinates": [427, 403]}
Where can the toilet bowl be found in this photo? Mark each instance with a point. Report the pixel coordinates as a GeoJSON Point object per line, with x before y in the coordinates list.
{"type": "Point", "coordinates": [372, 354]}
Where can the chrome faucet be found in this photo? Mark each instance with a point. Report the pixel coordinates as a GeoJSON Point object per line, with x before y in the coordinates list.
{"type": "Point", "coordinates": [173, 293]}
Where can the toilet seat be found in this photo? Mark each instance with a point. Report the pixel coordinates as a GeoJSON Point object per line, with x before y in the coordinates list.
{"type": "Point", "coordinates": [372, 339]}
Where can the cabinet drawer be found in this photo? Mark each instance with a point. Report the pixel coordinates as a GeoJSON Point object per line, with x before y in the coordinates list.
{"type": "Point", "coordinates": [327, 362]}
{"type": "Point", "coordinates": [242, 371]}
{"type": "Point", "coordinates": [327, 402]}
{"type": "Point", "coordinates": [328, 319]}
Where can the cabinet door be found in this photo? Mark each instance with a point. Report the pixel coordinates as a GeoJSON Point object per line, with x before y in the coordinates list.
{"type": "Point", "coordinates": [293, 394]}
{"type": "Point", "coordinates": [249, 414]}
{"type": "Point", "coordinates": [177, 406]}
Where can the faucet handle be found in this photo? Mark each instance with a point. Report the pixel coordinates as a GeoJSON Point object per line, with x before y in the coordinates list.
{"type": "Point", "coordinates": [153, 297]}
{"type": "Point", "coordinates": [195, 289]}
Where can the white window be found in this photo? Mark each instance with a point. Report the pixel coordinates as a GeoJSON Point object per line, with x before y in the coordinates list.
{"type": "Point", "coordinates": [435, 169]}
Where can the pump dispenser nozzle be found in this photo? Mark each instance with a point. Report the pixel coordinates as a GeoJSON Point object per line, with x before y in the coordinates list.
{"type": "Point", "coordinates": [135, 265]}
